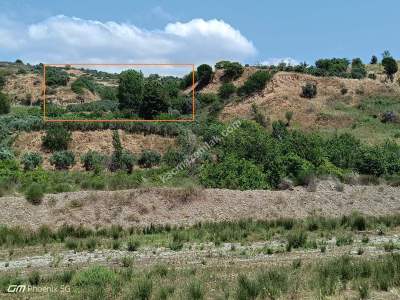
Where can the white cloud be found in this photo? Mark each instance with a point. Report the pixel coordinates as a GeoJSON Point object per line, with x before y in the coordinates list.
{"type": "Point", "coordinates": [62, 39]}
{"type": "Point", "coordinates": [276, 61]}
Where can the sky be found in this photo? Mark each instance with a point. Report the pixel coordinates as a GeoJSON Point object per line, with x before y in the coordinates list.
{"type": "Point", "coordinates": [195, 32]}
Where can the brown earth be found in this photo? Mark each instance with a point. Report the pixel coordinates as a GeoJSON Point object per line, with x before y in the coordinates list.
{"type": "Point", "coordinates": [100, 141]}
{"type": "Point", "coordinates": [141, 207]}
{"type": "Point", "coordinates": [282, 94]}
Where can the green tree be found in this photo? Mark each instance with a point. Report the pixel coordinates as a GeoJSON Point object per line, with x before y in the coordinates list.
{"type": "Point", "coordinates": [204, 75]}
{"type": "Point", "coordinates": [391, 67]}
{"type": "Point", "coordinates": [358, 70]}
{"type": "Point", "coordinates": [374, 60]}
{"type": "Point", "coordinates": [4, 104]}
{"type": "Point", "coordinates": [130, 90]}
{"type": "Point", "coordinates": [256, 82]}
{"type": "Point", "coordinates": [155, 99]}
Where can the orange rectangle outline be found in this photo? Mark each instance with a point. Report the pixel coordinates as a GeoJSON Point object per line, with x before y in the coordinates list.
{"type": "Point", "coordinates": [45, 119]}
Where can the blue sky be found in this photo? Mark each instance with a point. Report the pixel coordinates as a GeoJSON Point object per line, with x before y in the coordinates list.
{"type": "Point", "coordinates": [196, 31]}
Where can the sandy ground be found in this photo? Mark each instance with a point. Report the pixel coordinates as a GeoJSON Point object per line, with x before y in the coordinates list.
{"type": "Point", "coordinates": [141, 207]}
{"type": "Point", "coordinates": [100, 141]}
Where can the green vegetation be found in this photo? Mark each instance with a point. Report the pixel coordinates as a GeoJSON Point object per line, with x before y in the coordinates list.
{"type": "Point", "coordinates": [130, 90]}
{"type": "Point", "coordinates": [56, 77]}
{"type": "Point", "coordinates": [34, 193]}
{"type": "Point", "coordinates": [149, 159]}
{"type": "Point", "coordinates": [232, 70]}
{"type": "Point", "coordinates": [83, 82]}
{"type": "Point", "coordinates": [391, 67]}
{"type": "Point", "coordinates": [57, 138]}
{"type": "Point", "coordinates": [62, 160]}
{"type": "Point", "coordinates": [226, 90]}
{"type": "Point", "coordinates": [309, 90]}
{"type": "Point", "coordinates": [31, 160]}
{"type": "Point", "coordinates": [4, 104]}
{"type": "Point", "coordinates": [255, 83]}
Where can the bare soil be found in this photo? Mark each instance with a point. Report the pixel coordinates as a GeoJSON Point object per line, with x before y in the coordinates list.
{"type": "Point", "coordinates": [141, 207]}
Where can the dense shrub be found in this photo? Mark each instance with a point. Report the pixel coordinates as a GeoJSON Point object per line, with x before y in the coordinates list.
{"type": "Point", "coordinates": [130, 90]}
{"type": "Point", "coordinates": [56, 138]}
{"type": "Point", "coordinates": [233, 173]}
{"type": "Point", "coordinates": [62, 160]}
{"type": "Point", "coordinates": [6, 154]}
{"type": "Point", "coordinates": [83, 82]}
{"type": "Point", "coordinates": [374, 60]}
{"type": "Point", "coordinates": [2, 81]}
{"type": "Point", "coordinates": [34, 193]}
{"type": "Point", "coordinates": [93, 161]}
{"type": "Point", "coordinates": [4, 104]}
{"type": "Point", "coordinates": [358, 70]}
{"type": "Point", "coordinates": [31, 160]}
{"type": "Point", "coordinates": [56, 77]}
{"type": "Point", "coordinates": [95, 106]}
{"type": "Point", "coordinates": [343, 150]}
{"type": "Point", "coordinates": [172, 157]}
{"type": "Point", "coordinates": [155, 99]}
{"type": "Point", "coordinates": [204, 75]}
{"type": "Point", "coordinates": [309, 90]}
{"type": "Point", "coordinates": [372, 161]}
{"type": "Point", "coordinates": [332, 67]}
{"type": "Point", "coordinates": [149, 158]}
{"type": "Point", "coordinates": [256, 82]}
{"type": "Point", "coordinates": [232, 71]}
{"type": "Point", "coordinates": [391, 67]}
{"type": "Point", "coordinates": [187, 80]}
{"type": "Point", "coordinates": [226, 90]}
{"type": "Point", "coordinates": [207, 98]}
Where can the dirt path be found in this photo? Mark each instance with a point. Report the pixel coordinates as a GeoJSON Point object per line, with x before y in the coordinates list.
{"type": "Point", "coordinates": [141, 207]}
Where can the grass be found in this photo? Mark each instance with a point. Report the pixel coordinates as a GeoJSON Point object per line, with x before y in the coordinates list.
{"type": "Point", "coordinates": [366, 119]}
{"type": "Point", "coordinates": [330, 277]}
{"type": "Point", "coordinates": [297, 233]}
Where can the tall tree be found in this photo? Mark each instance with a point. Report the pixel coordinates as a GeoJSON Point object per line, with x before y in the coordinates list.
{"type": "Point", "coordinates": [130, 90]}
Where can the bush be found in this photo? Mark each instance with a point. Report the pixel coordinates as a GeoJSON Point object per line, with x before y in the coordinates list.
{"type": "Point", "coordinates": [204, 74]}
{"type": "Point", "coordinates": [256, 82]}
{"type": "Point", "coordinates": [309, 90]}
{"type": "Point", "coordinates": [141, 290]}
{"type": "Point", "coordinates": [391, 67]}
{"type": "Point", "coordinates": [34, 194]}
{"type": "Point", "coordinates": [208, 98]}
{"type": "Point", "coordinates": [6, 154]}
{"type": "Point", "coordinates": [187, 80]}
{"type": "Point", "coordinates": [333, 66]}
{"type": "Point", "coordinates": [2, 81]}
{"type": "Point", "coordinates": [258, 116]}
{"type": "Point", "coordinates": [56, 77]}
{"type": "Point", "coordinates": [31, 160]}
{"type": "Point", "coordinates": [121, 159]}
{"type": "Point", "coordinates": [172, 157]}
{"type": "Point", "coordinates": [4, 104]}
{"type": "Point", "coordinates": [92, 161]}
{"type": "Point", "coordinates": [195, 291]}
{"type": "Point", "coordinates": [62, 160]}
{"type": "Point", "coordinates": [149, 158]}
{"type": "Point", "coordinates": [374, 60]}
{"type": "Point", "coordinates": [226, 90]}
{"type": "Point", "coordinates": [83, 82]}
{"type": "Point", "coordinates": [57, 138]}
{"type": "Point", "coordinates": [358, 70]}
{"type": "Point", "coordinates": [233, 173]}
{"type": "Point", "coordinates": [232, 70]}
{"type": "Point", "coordinates": [372, 76]}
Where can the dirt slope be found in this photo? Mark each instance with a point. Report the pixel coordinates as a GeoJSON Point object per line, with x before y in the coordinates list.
{"type": "Point", "coordinates": [141, 207]}
{"type": "Point", "coordinates": [283, 94]}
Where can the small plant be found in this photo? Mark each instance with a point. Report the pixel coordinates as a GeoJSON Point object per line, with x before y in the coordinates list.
{"type": "Point", "coordinates": [127, 261]}
{"type": "Point", "coordinates": [226, 90]}
{"type": "Point", "coordinates": [62, 160]}
{"type": "Point", "coordinates": [71, 243]}
{"type": "Point", "coordinates": [149, 158]}
{"type": "Point", "coordinates": [4, 104]}
{"type": "Point", "coordinates": [288, 117]}
{"type": "Point", "coordinates": [133, 245]}
{"type": "Point", "coordinates": [259, 117]}
{"type": "Point", "coordinates": [309, 90]}
{"type": "Point", "coordinates": [56, 138]}
{"type": "Point", "coordinates": [31, 160]}
{"type": "Point", "coordinates": [34, 278]}
{"type": "Point", "coordinates": [195, 290]}
{"type": "Point", "coordinates": [34, 194]}
{"type": "Point", "coordinates": [296, 239]}
{"type": "Point", "coordinates": [92, 161]}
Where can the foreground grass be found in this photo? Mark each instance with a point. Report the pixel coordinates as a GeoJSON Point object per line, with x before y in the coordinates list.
{"type": "Point", "coordinates": [311, 232]}
{"type": "Point", "coordinates": [341, 276]}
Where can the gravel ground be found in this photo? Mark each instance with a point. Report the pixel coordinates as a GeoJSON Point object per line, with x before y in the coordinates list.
{"type": "Point", "coordinates": [141, 207]}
